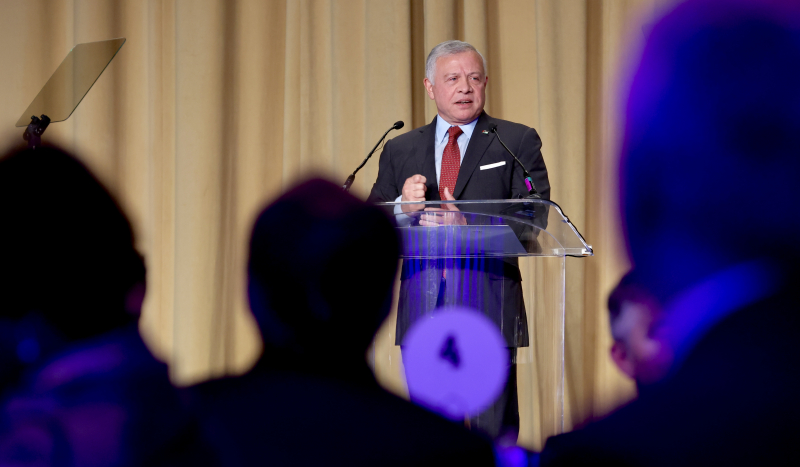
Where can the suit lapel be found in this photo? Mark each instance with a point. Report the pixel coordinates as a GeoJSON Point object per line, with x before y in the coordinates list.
{"type": "Point", "coordinates": [477, 146]}
{"type": "Point", "coordinates": [425, 147]}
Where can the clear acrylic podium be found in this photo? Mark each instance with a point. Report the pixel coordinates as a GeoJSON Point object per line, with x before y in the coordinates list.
{"type": "Point", "coordinates": [477, 246]}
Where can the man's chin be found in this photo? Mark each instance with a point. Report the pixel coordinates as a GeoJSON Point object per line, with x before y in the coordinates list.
{"type": "Point", "coordinates": [464, 117]}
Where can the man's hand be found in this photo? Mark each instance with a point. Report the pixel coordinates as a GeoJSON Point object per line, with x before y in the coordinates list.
{"type": "Point", "coordinates": [449, 215]}
{"type": "Point", "coordinates": [414, 190]}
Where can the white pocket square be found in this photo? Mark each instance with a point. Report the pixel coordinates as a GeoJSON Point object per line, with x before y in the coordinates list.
{"type": "Point", "coordinates": [491, 166]}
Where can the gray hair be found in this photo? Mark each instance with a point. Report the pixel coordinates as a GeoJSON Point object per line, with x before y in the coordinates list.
{"type": "Point", "coordinates": [445, 49]}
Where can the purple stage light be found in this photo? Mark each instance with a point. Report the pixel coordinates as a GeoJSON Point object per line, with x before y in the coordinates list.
{"type": "Point", "coordinates": [456, 362]}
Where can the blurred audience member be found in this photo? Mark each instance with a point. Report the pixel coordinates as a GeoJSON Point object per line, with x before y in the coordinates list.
{"type": "Point", "coordinates": [321, 270]}
{"type": "Point", "coordinates": [632, 314]}
{"type": "Point", "coordinates": [79, 387]}
{"type": "Point", "coordinates": [709, 177]}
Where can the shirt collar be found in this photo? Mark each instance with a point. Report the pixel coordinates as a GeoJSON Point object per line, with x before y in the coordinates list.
{"type": "Point", "coordinates": [442, 126]}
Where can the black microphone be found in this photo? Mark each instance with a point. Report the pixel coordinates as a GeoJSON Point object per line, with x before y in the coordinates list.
{"type": "Point", "coordinates": [532, 193]}
{"type": "Point", "coordinates": [349, 182]}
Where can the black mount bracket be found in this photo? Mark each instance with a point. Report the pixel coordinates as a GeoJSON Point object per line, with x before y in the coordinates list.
{"type": "Point", "coordinates": [33, 133]}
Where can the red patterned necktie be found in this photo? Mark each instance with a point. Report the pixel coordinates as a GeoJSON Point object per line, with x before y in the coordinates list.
{"type": "Point", "coordinates": [451, 162]}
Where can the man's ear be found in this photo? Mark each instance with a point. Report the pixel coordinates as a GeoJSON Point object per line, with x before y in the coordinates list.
{"type": "Point", "coordinates": [621, 358]}
{"type": "Point", "coordinates": [428, 87]}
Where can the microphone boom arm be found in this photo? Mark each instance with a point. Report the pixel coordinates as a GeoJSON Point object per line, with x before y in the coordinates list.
{"type": "Point", "coordinates": [349, 182]}
{"type": "Point", "coordinates": [532, 193]}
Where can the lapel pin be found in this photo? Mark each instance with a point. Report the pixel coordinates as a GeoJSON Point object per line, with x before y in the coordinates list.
{"type": "Point", "coordinates": [485, 132]}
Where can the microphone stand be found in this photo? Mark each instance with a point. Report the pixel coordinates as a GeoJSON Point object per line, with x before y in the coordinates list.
{"type": "Point", "coordinates": [532, 193]}
{"type": "Point", "coordinates": [349, 182]}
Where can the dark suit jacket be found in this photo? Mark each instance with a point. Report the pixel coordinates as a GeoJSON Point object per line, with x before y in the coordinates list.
{"type": "Point", "coordinates": [734, 401]}
{"type": "Point", "coordinates": [494, 284]}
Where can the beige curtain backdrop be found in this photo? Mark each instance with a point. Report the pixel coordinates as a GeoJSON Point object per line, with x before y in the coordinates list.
{"type": "Point", "coordinates": [214, 107]}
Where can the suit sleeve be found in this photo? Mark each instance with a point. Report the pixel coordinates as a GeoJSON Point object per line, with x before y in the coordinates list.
{"type": "Point", "coordinates": [530, 154]}
{"type": "Point", "coordinates": [385, 188]}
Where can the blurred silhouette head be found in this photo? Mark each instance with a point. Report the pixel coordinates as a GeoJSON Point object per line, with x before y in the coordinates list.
{"type": "Point", "coordinates": [321, 271]}
{"type": "Point", "coordinates": [66, 248]}
{"type": "Point", "coordinates": [632, 313]}
{"type": "Point", "coordinates": [710, 158]}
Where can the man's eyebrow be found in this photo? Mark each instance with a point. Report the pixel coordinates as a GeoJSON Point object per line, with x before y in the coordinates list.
{"type": "Point", "coordinates": [458, 74]}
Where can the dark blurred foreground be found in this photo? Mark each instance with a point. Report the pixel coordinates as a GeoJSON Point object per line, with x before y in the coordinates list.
{"type": "Point", "coordinates": [710, 171]}
{"type": "Point", "coordinates": [77, 384]}
{"type": "Point", "coordinates": [79, 387]}
{"type": "Point", "coordinates": [318, 310]}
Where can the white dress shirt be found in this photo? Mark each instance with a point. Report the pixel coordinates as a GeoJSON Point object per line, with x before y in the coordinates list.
{"type": "Point", "coordinates": [442, 137]}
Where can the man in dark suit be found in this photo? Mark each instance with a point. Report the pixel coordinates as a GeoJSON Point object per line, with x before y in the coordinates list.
{"type": "Point", "coordinates": [457, 157]}
{"type": "Point", "coordinates": [709, 176]}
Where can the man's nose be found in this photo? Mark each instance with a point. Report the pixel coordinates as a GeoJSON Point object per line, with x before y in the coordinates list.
{"type": "Point", "coordinates": [465, 86]}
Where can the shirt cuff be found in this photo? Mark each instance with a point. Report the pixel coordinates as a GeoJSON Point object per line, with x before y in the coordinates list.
{"type": "Point", "coordinates": [398, 209]}
{"type": "Point", "coordinates": [399, 216]}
